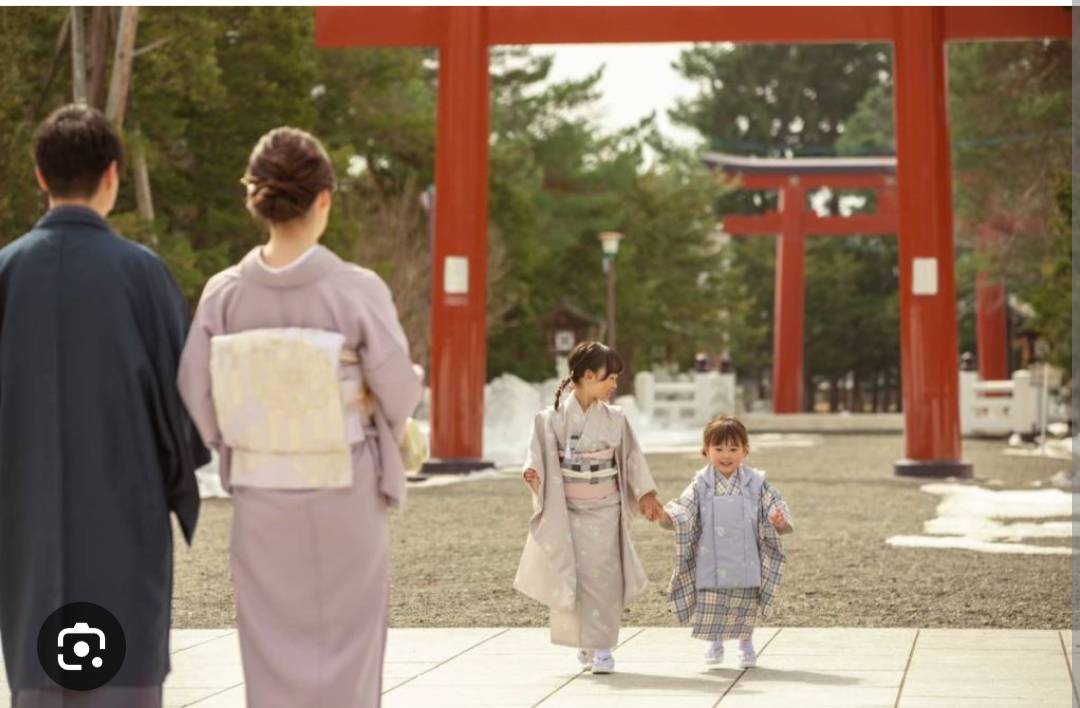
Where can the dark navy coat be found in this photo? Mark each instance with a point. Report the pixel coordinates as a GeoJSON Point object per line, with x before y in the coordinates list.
{"type": "Point", "coordinates": [95, 445]}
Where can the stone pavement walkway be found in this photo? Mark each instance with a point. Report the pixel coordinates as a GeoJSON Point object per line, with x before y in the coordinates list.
{"type": "Point", "coordinates": [661, 667]}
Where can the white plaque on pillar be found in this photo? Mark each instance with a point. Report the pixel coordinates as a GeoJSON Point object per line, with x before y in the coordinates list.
{"type": "Point", "coordinates": [924, 276]}
{"type": "Point", "coordinates": [456, 275]}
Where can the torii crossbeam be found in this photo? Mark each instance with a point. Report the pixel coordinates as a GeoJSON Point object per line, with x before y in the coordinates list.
{"type": "Point", "coordinates": [929, 366]}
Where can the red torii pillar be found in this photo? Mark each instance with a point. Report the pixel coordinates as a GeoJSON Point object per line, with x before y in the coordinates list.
{"type": "Point", "coordinates": [930, 368]}
{"type": "Point", "coordinates": [928, 349]}
{"type": "Point", "coordinates": [459, 273]}
{"type": "Point", "coordinates": [792, 223]}
{"type": "Point", "coordinates": [790, 301]}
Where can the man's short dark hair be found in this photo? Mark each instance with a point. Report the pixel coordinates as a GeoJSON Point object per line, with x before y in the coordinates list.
{"type": "Point", "coordinates": [73, 147]}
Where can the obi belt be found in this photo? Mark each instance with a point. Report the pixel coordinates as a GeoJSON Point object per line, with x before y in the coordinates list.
{"type": "Point", "coordinates": [586, 467]}
{"type": "Point", "coordinates": [289, 404]}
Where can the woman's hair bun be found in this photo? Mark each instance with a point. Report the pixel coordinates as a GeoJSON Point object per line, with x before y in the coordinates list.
{"type": "Point", "coordinates": [288, 168]}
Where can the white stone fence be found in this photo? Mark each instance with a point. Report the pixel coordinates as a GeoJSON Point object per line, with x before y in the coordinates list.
{"type": "Point", "coordinates": [691, 398]}
{"type": "Point", "coordinates": [1023, 404]}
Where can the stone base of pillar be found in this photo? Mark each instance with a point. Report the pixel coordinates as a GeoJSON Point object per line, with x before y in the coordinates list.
{"type": "Point", "coordinates": [937, 469]}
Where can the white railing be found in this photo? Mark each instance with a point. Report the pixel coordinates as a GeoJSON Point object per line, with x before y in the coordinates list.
{"type": "Point", "coordinates": [690, 399]}
{"type": "Point", "coordinates": [1021, 404]}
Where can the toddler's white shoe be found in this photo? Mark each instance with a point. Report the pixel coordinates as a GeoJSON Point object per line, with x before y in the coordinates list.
{"type": "Point", "coordinates": [603, 662]}
{"type": "Point", "coordinates": [585, 657]}
{"type": "Point", "coordinates": [714, 653]}
{"type": "Point", "coordinates": [747, 655]}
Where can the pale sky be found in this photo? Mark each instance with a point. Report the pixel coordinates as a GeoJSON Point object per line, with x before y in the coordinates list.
{"type": "Point", "coordinates": [638, 80]}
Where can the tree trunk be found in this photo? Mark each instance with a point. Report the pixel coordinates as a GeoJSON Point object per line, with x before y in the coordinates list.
{"type": "Point", "coordinates": [898, 391]}
{"type": "Point", "coordinates": [834, 394]}
{"type": "Point", "coordinates": [875, 389]}
{"type": "Point", "coordinates": [625, 386]}
{"type": "Point", "coordinates": [97, 55]}
{"type": "Point", "coordinates": [144, 199]}
{"type": "Point", "coordinates": [78, 56]}
{"type": "Point", "coordinates": [116, 105]}
{"type": "Point", "coordinates": [809, 395]}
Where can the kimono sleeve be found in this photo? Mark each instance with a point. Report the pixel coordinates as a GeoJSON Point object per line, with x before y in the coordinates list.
{"type": "Point", "coordinates": [180, 449]}
{"type": "Point", "coordinates": [684, 517]}
{"type": "Point", "coordinates": [194, 375]}
{"type": "Point", "coordinates": [384, 356]}
{"type": "Point", "coordinates": [534, 459]}
{"type": "Point", "coordinates": [636, 469]}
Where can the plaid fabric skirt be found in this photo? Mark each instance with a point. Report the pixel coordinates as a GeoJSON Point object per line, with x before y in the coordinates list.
{"type": "Point", "coordinates": [725, 613]}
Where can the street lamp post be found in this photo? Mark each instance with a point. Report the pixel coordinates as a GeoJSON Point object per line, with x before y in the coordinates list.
{"type": "Point", "coordinates": [609, 242]}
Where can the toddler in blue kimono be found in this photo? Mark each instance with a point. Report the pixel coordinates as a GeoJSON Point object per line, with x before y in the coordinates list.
{"type": "Point", "coordinates": [728, 555]}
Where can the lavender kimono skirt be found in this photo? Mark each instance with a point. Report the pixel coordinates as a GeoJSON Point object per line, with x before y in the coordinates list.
{"type": "Point", "coordinates": [324, 555]}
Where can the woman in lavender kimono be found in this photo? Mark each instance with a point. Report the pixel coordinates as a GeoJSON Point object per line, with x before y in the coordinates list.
{"type": "Point", "coordinates": [282, 348]}
{"type": "Point", "coordinates": [588, 478]}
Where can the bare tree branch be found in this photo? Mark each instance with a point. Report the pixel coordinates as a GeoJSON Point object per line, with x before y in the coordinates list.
{"type": "Point", "coordinates": [152, 46]}
{"type": "Point", "coordinates": [61, 45]}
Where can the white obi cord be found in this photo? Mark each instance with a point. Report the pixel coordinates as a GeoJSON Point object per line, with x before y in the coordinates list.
{"type": "Point", "coordinates": [287, 406]}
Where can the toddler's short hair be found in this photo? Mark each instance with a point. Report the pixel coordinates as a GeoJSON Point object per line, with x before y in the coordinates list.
{"type": "Point", "coordinates": [725, 429]}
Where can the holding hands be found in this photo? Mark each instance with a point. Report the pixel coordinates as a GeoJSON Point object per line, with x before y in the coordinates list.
{"type": "Point", "coordinates": [651, 508]}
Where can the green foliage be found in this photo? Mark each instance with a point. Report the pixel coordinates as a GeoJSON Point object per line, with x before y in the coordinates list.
{"type": "Point", "coordinates": [1053, 319]}
{"type": "Point", "coordinates": [777, 99]}
{"type": "Point", "coordinates": [556, 184]}
{"type": "Point", "coordinates": [28, 47]}
{"type": "Point", "coordinates": [218, 78]}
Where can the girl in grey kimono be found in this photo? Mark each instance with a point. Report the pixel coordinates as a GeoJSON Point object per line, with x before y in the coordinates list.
{"type": "Point", "coordinates": [588, 477]}
{"type": "Point", "coordinates": [282, 349]}
{"type": "Point", "coordinates": [728, 556]}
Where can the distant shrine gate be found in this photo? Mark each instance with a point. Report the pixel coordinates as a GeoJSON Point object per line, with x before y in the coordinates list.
{"type": "Point", "coordinates": [794, 179]}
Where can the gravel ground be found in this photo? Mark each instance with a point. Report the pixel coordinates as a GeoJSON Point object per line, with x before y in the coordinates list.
{"type": "Point", "coordinates": [456, 549]}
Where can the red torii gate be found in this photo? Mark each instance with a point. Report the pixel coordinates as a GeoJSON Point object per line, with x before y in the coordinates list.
{"type": "Point", "coordinates": [929, 368]}
{"type": "Point", "coordinates": [791, 223]}
{"type": "Point", "coordinates": [793, 178]}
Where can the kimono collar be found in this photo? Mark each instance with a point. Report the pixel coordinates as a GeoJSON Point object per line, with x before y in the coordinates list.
{"type": "Point", "coordinates": [573, 404]}
{"type": "Point", "coordinates": [73, 214]}
{"type": "Point", "coordinates": [313, 265]}
{"type": "Point", "coordinates": [709, 474]}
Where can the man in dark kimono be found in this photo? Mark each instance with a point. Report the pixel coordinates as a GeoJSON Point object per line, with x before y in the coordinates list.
{"type": "Point", "coordinates": [95, 446]}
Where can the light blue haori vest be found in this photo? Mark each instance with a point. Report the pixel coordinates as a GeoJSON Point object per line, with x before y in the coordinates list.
{"type": "Point", "coordinates": [727, 554]}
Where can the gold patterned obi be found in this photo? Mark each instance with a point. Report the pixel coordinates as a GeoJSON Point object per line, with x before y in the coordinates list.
{"type": "Point", "coordinates": [288, 402]}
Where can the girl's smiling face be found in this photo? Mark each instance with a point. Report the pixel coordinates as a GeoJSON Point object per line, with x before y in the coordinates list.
{"type": "Point", "coordinates": [726, 456]}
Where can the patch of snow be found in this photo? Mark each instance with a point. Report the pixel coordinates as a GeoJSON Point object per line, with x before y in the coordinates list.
{"type": "Point", "coordinates": [973, 518]}
{"type": "Point", "coordinates": [972, 544]}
